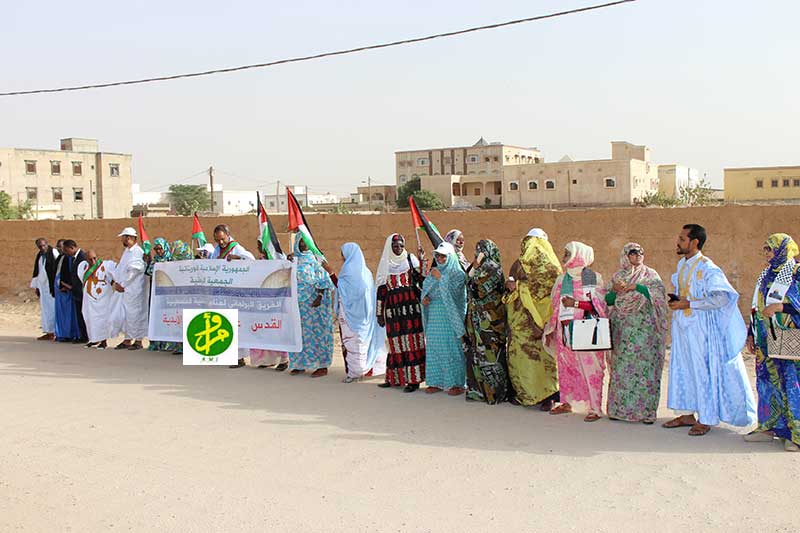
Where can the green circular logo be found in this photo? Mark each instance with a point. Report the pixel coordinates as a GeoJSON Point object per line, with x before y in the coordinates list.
{"type": "Point", "coordinates": [209, 333]}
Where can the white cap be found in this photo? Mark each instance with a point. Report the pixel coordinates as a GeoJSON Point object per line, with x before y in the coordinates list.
{"type": "Point", "coordinates": [128, 232]}
{"type": "Point", "coordinates": [445, 249]}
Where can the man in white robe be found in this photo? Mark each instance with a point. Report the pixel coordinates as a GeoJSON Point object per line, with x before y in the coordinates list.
{"type": "Point", "coordinates": [707, 376]}
{"type": "Point", "coordinates": [129, 279]}
{"type": "Point", "coordinates": [44, 273]}
{"type": "Point", "coordinates": [100, 301]}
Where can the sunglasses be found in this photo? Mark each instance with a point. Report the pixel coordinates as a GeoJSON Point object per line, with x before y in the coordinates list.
{"type": "Point", "coordinates": [636, 252]}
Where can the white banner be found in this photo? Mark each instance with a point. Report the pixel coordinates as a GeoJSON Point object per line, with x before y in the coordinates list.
{"type": "Point", "coordinates": [264, 292]}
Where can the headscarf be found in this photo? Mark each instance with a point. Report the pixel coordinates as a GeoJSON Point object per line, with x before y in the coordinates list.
{"type": "Point", "coordinates": [161, 241]}
{"type": "Point", "coordinates": [781, 269]}
{"type": "Point", "coordinates": [489, 275]}
{"type": "Point", "coordinates": [310, 274]}
{"type": "Point", "coordinates": [633, 301]}
{"type": "Point", "coordinates": [541, 266]}
{"type": "Point", "coordinates": [391, 264]}
{"type": "Point", "coordinates": [357, 295]}
{"type": "Point", "coordinates": [451, 237]}
{"type": "Point", "coordinates": [580, 256]}
{"type": "Point", "coordinates": [181, 251]}
{"type": "Point", "coordinates": [450, 289]}
{"type": "Point", "coordinates": [538, 232]}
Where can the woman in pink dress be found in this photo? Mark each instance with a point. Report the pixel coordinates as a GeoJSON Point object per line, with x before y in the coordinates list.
{"type": "Point", "coordinates": [576, 292]}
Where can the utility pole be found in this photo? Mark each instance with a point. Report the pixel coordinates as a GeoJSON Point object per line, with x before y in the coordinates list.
{"type": "Point", "coordinates": [369, 191]}
{"type": "Point", "coordinates": [211, 186]}
{"type": "Point", "coordinates": [278, 197]}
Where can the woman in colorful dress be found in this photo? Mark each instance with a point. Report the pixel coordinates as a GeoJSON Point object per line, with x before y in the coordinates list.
{"type": "Point", "coordinates": [314, 296]}
{"type": "Point", "coordinates": [456, 238]}
{"type": "Point", "coordinates": [638, 313]}
{"type": "Point", "coordinates": [485, 338]}
{"type": "Point", "coordinates": [363, 340]}
{"type": "Point", "coordinates": [776, 298]}
{"type": "Point", "coordinates": [162, 253]}
{"type": "Point", "coordinates": [399, 280]}
{"type": "Point", "coordinates": [578, 291]}
{"type": "Point", "coordinates": [533, 371]}
{"type": "Point", "coordinates": [444, 306]}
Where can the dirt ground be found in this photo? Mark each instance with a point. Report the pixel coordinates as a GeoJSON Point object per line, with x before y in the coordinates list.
{"type": "Point", "coordinates": [133, 441]}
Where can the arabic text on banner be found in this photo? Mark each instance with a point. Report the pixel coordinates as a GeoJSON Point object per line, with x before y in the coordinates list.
{"type": "Point", "coordinates": [264, 292]}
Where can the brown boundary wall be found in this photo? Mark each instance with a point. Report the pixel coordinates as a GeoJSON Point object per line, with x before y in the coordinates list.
{"type": "Point", "coordinates": [736, 235]}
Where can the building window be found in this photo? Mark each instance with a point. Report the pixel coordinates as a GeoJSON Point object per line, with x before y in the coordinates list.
{"type": "Point", "coordinates": [496, 158]}
{"type": "Point", "coordinates": [30, 167]}
{"type": "Point", "coordinates": [57, 194]}
{"type": "Point", "coordinates": [796, 183]}
{"type": "Point", "coordinates": [785, 183]}
{"type": "Point", "coordinates": [30, 193]}
{"type": "Point", "coordinates": [456, 189]}
{"type": "Point", "coordinates": [77, 168]}
{"type": "Point", "coordinates": [77, 194]}
{"type": "Point", "coordinates": [574, 182]}
{"type": "Point", "coordinates": [472, 159]}
{"type": "Point", "coordinates": [580, 170]}
{"type": "Point", "coordinates": [759, 184]}
{"type": "Point", "coordinates": [487, 159]}
{"type": "Point", "coordinates": [774, 183]}
{"type": "Point", "coordinates": [78, 217]}
{"type": "Point", "coordinates": [272, 204]}
{"type": "Point", "coordinates": [113, 169]}
{"type": "Point", "coordinates": [550, 185]}
{"type": "Point", "coordinates": [55, 168]}
{"type": "Point", "coordinates": [498, 188]}
{"type": "Point", "coordinates": [533, 185]}
{"type": "Point", "coordinates": [507, 158]}
{"type": "Point", "coordinates": [513, 186]}
{"type": "Point", "coordinates": [403, 178]}
{"type": "Point", "coordinates": [611, 183]}
{"type": "Point", "coordinates": [422, 161]}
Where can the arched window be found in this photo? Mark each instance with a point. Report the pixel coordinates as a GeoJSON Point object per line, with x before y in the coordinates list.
{"type": "Point", "coordinates": [513, 186]}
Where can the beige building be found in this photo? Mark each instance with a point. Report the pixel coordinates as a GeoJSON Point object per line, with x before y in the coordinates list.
{"type": "Point", "coordinates": [471, 174]}
{"type": "Point", "coordinates": [765, 184]}
{"type": "Point", "coordinates": [377, 195]}
{"type": "Point", "coordinates": [621, 180]}
{"type": "Point", "coordinates": [671, 178]}
{"type": "Point", "coordinates": [76, 182]}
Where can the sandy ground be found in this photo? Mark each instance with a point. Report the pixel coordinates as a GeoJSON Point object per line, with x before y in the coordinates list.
{"type": "Point", "coordinates": [110, 441]}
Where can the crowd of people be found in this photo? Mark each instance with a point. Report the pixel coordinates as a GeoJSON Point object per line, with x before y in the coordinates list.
{"type": "Point", "coordinates": [463, 326]}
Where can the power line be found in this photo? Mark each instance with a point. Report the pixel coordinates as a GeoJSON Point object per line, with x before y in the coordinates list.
{"type": "Point", "coordinates": [183, 180]}
{"type": "Point", "coordinates": [322, 55]}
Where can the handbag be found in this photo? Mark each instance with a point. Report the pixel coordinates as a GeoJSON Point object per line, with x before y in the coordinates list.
{"type": "Point", "coordinates": [590, 334]}
{"type": "Point", "coordinates": [783, 343]}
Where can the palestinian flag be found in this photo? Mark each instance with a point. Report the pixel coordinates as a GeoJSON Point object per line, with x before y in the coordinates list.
{"type": "Point", "coordinates": [297, 222]}
{"type": "Point", "coordinates": [422, 222]}
{"type": "Point", "coordinates": [197, 232]}
{"type": "Point", "coordinates": [144, 239]}
{"type": "Point", "coordinates": [269, 239]}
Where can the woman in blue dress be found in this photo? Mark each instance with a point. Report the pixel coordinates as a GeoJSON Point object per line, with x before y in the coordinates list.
{"type": "Point", "coordinates": [444, 307]}
{"type": "Point", "coordinates": [315, 298]}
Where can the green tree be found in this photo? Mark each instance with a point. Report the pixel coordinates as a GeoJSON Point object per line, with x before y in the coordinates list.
{"type": "Point", "coordinates": [696, 195]}
{"type": "Point", "coordinates": [186, 199]}
{"type": "Point", "coordinates": [13, 212]}
{"type": "Point", "coordinates": [424, 199]}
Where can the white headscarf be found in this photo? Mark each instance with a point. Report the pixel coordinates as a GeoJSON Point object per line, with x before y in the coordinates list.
{"type": "Point", "coordinates": [538, 232]}
{"type": "Point", "coordinates": [391, 263]}
{"type": "Point", "coordinates": [580, 256]}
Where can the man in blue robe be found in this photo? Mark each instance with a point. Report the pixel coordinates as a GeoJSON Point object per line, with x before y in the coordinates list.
{"type": "Point", "coordinates": [707, 377]}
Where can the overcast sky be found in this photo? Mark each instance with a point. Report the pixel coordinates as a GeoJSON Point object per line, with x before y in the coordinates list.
{"type": "Point", "coordinates": [707, 83]}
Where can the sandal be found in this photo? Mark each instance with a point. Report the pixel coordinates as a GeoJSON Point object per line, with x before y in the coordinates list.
{"type": "Point", "coordinates": [698, 430]}
{"type": "Point", "coordinates": [649, 421]}
{"type": "Point", "coordinates": [591, 417]}
{"type": "Point", "coordinates": [348, 379]}
{"type": "Point", "coordinates": [135, 346]}
{"type": "Point", "coordinates": [546, 405]}
{"type": "Point", "coordinates": [759, 436]}
{"type": "Point", "coordinates": [320, 372]}
{"type": "Point", "coordinates": [455, 391]}
{"type": "Point", "coordinates": [296, 372]}
{"type": "Point", "coordinates": [562, 409]}
{"type": "Point", "coordinates": [679, 422]}
{"type": "Point", "coordinates": [239, 364]}
{"type": "Point", "coordinates": [790, 446]}
{"type": "Point", "coordinates": [122, 346]}
{"type": "Point", "coordinates": [432, 390]}
{"type": "Point", "coordinates": [281, 367]}
{"type": "Point", "coordinates": [411, 388]}
{"type": "Point", "coordinates": [385, 385]}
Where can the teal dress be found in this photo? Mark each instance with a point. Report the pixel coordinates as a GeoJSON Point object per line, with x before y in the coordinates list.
{"type": "Point", "coordinates": [317, 322]}
{"type": "Point", "coordinates": [443, 321]}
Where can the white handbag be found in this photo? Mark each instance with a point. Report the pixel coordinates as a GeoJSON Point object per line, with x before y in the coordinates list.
{"type": "Point", "coordinates": [590, 335]}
